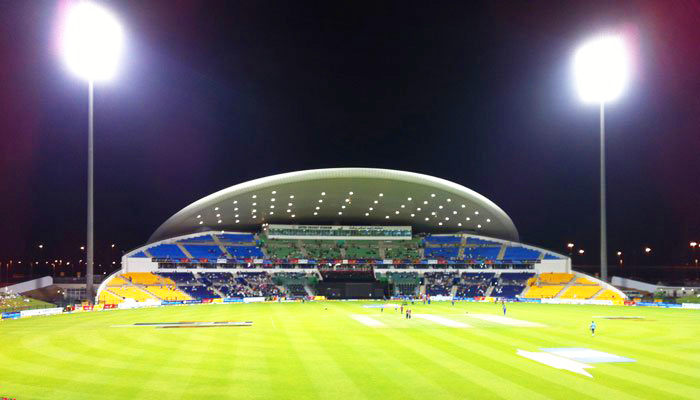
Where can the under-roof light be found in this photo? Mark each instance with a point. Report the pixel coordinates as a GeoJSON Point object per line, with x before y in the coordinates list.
{"type": "Point", "coordinates": [318, 208]}
{"type": "Point", "coordinates": [201, 222]}
{"type": "Point", "coordinates": [418, 209]}
{"type": "Point", "coordinates": [315, 213]}
{"type": "Point", "coordinates": [476, 213]}
{"type": "Point", "coordinates": [347, 200]}
{"type": "Point", "coordinates": [425, 201]}
{"type": "Point", "coordinates": [396, 212]}
{"type": "Point", "coordinates": [255, 196]}
{"type": "Point", "coordinates": [272, 199]}
{"type": "Point", "coordinates": [432, 213]}
{"type": "Point", "coordinates": [440, 223]}
{"type": "Point", "coordinates": [293, 215]}
{"type": "Point", "coordinates": [366, 214]}
{"type": "Point", "coordinates": [375, 202]}
{"type": "Point", "coordinates": [274, 192]}
{"type": "Point", "coordinates": [216, 208]}
{"type": "Point", "coordinates": [218, 215]}
{"type": "Point", "coordinates": [478, 226]}
{"type": "Point", "coordinates": [255, 204]}
{"type": "Point", "coordinates": [199, 216]}
{"type": "Point", "coordinates": [320, 200]}
{"type": "Point", "coordinates": [387, 217]}
{"type": "Point", "coordinates": [371, 208]}
{"type": "Point", "coordinates": [291, 196]}
{"type": "Point", "coordinates": [351, 193]}
{"type": "Point", "coordinates": [449, 200]}
{"type": "Point", "coordinates": [323, 193]}
{"type": "Point", "coordinates": [403, 206]}
{"type": "Point", "coordinates": [488, 219]}
{"type": "Point", "coordinates": [381, 194]}
{"type": "Point", "coordinates": [235, 209]}
{"type": "Point", "coordinates": [410, 198]}
{"type": "Point", "coordinates": [218, 222]}
{"type": "Point", "coordinates": [413, 215]}
{"type": "Point", "coordinates": [463, 206]}
{"type": "Point", "coordinates": [340, 213]}
{"type": "Point", "coordinates": [447, 218]}
{"type": "Point", "coordinates": [454, 212]}
{"type": "Point", "coordinates": [255, 216]}
{"type": "Point", "coordinates": [342, 207]}
{"type": "Point", "coordinates": [235, 216]}
{"type": "Point", "coordinates": [468, 219]}
{"type": "Point", "coordinates": [288, 210]}
{"type": "Point", "coordinates": [289, 204]}
{"type": "Point", "coordinates": [440, 207]}
{"type": "Point", "coordinates": [235, 202]}
{"type": "Point", "coordinates": [427, 219]}
{"type": "Point", "coordinates": [272, 212]}
{"type": "Point", "coordinates": [459, 224]}
{"type": "Point", "coordinates": [272, 206]}
{"type": "Point", "coordinates": [254, 210]}
{"type": "Point", "coordinates": [237, 221]}
{"type": "Point", "coordinates": [432, 194]}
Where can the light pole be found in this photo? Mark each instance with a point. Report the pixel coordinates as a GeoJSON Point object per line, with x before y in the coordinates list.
{"type": "Point", "coordinates": [601, 71]}
{"type": "Point", "coordinates": [92, 43]}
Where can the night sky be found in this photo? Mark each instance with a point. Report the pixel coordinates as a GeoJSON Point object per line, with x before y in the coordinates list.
{"type": "Point", "coordinates": [212, 94]}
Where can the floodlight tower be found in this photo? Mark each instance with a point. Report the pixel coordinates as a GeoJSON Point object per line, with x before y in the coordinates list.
{"type": "Point", "coordinates": [92, 40]}
{"type": "Point", "coordinates": [601, 68]}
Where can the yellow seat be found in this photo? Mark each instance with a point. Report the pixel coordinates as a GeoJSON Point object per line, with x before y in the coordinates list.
{"type": "Point", "coordinates": [543, 292]}
{"type": "Point", "coordinates": [167, 293]}
{"type": "Point", "coordinates": [131, 292]}
{"type": "Point", "coordinates": [584, 281]}
{"type": "Point", "coordinates": [147, 278]}
{"type": "Point", "coordinates": [608, 294]}
{"type": "Point", "coordinates": [107, 297]}
{"type": "Point", "coordinates": [556, 278]}
{"type": "Point", "coordinates": [580, 292]}
{"type": "Point", "coordinates": [116, 281]}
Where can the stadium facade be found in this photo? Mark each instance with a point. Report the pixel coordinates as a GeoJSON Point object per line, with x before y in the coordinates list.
{"type": "Point", "coordinates": [345, 233]}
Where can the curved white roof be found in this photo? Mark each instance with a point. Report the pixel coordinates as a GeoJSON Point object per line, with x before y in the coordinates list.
{"type": "Point", "coordinates": [344, 196]}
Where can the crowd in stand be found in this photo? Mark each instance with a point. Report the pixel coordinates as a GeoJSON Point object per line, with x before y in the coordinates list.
{"type": "Point", "coordinates": [439, 283]}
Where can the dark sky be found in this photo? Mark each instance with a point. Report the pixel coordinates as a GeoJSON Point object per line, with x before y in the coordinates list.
{"type": "Point", "coordinates": [211, 94]}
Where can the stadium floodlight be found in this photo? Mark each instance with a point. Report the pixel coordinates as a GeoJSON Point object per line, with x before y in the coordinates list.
{"type": "Point", "coordinates": [601, 70]}
{"type": "Point", "coordinates": [92, 41]}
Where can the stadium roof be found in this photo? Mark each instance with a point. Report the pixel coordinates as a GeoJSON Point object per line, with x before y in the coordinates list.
{"type": "Point", "coordinates": [344, 196]}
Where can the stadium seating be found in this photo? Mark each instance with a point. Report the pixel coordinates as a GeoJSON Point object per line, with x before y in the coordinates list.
{"type": "Point", "coordinates": [117, 281]}
{"type": "Point", "coordinates": [167, 251]}
{"type": "Point", "coordinates": [442, 252]}
{"type": "Point", "coordinates": [131, 292]}
{"type": "Point", "coordinates": [431, 239]}
{"type": "Point", "coordinates": [197, 239]}
{"type": "Point", "coordinates": [608, 294]}
{"type": "Point", "coordinates": [520, 253]}
{"type": "Point", "coordinates": [584, 281]}
{"type": "Point", "coordinates": [147, 278]}
{"type": "Point", "coordinates": [402, 249]}
{"type": "Point", "coordinates": [580, 292]}
{"type": "Point", "coordinates": [107, 297]}
{"type": "Point", "coordinates": [140, 254]}
{"type": "Point", "coordinates": [507, 291]}
{"type": "Point", "coordinates": [283, 249]}
{"type": "Point", "coordinates": [166, 293]}
{"type": "Point", "coordinates": [205, 251]}
{"type": "Point", "coordinates": [361, 250]}
{"type": "Point", "coordinates": [473, 240]}
{"type": "Point", "coordinates": [543, 292]}
{"type": "Point", "coordinates": [181, 278]}
{"type": "Point", "coordinates": [245, 251]}
{"type": "Point", "coordinates": [481, 253]}
{"type": "Point", "coordinates": [236, 237]}
{"type": "Point", "coordinates": [199, 292]}
{"type": "Point", "coordinates": [555, 278]}
{"type": "Point", "coordinates": [439, 283]}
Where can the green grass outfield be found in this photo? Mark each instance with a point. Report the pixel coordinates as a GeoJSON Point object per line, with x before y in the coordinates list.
{"type": "Point", "coordinates": [301, 351]}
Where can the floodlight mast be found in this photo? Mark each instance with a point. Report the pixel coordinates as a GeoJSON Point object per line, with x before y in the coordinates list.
{"type": "Point", "coordinates": [92, 43]}
{"type": "Point", "coordinates": [601, 69]}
